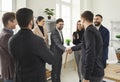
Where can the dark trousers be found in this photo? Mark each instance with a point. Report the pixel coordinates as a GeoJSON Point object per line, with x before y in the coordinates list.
{"type": "Point", "coordinates": [96, 79]}
{"type": "Point", "coordinates": [56, 71]}
{"type": "Point", "coordinates": [8, 80]}
{"type": "Point", "coordinates": [104, 63]}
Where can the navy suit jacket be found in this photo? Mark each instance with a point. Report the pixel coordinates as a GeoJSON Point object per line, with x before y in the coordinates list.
{"type": "Point", "coordinates": [105, 36]}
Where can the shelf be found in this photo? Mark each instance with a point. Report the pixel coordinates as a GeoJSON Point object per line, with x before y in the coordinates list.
{"type": "Point", "coordinates": [115, 30]}
{"type": "Point", "coordinates": [115, 40]}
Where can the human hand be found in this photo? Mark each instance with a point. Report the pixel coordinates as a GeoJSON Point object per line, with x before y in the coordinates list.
{"type": "Point", "coordinates": [44, 38]}
{"type": "Point", "coordinates": [77, 36]}
{"type": "Point", "coordinates": [69, 50]}
{"type": "Point", "coordinates": [85, 80]}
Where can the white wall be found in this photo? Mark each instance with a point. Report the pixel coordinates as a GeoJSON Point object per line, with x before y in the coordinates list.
{"type": "Point", "coordinates": [109, 10]}
{"type": "Point", "coordinates": [86, 5]}
{"type": "Point", "coordinates": [75, 13]}
{"type": "Point", "coordinates": [0, 15]}
{"type": "Point", "coordinates": [20, 4]}
{"type": "Point", "coordinates": [78, 7]}
{"type": "Point", "coordinates": [38, 6]}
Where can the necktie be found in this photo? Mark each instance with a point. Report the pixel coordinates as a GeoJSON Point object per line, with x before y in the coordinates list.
{"type": "Point", "coordinates": [61, 37]}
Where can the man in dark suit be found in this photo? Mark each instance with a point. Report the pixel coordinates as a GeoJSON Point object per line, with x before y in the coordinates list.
{"type": "Point", "coordinates": [29, 50]}
{"type": "Point", "coordinates": [57, 48]}
{"type": "Point", "coordinates": [7, 64]}
{"type": "Point", "coordinates": [105, 36]}
{"type": "Point", "coordinates": [92, 46]}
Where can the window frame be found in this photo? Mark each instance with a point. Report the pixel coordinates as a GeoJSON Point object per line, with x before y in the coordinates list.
{"type": "Point", "coordinates": [60, 3]}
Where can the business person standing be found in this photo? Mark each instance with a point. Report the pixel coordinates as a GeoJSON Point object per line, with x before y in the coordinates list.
{"type": "Point", "coordinates": [57, 48]}
{"type": "Point", "coordinates": [105, 36]}
{"type": "Point", "coordinates": [77, 38]}
{"type": "Point", "coordinates": [29, 51]}
{"type": "Point", "coordinates": [7, 64]}
{"type": "Point", "coordinates": [40, 29]}
{"type": "Point", "coordinates": [92, 49]}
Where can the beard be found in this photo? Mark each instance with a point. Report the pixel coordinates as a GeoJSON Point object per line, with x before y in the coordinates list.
{"type": "Point", "coordinates": [60, 28]}
{"type": "Point", "coordinates": [97, 23]}
{"type": "Point", "coordinates": [82, 26]}
{"type": "Point", "coordinates": [33, 26]}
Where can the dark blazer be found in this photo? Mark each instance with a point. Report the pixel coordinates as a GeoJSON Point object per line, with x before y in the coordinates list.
{"type": "Point", "coordinates": [78, 34]}
{"type": "Point", "coordinates": [105, 36]}
{"type": "Point", "coordinates": [92, 49]}
{"type": "Point", "coordinates": [7, 65]}
{"type": "Point", "coordinates": [56, 44]}
{"type": "Point", "coordinates": [30, 55]}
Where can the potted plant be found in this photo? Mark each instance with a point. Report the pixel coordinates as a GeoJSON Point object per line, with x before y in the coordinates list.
{"type": "Point", "coordinates": [68, 41]}
{"type": "Point", "coordinates": [49, 12]}
{"type": "Point", "coordinates": [118, 36]}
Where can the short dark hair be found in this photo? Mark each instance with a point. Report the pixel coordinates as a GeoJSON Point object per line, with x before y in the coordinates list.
{"type": "Point", "coordinates": [24, 16]}
{"type": "Point", "coordinates": [88, 16]}
{"type": "Point", "coordinates": [59, 20]}
{"type": "Point", "coordinates": [39, 18]}
{"type": "Point", "coordinates": [9, 16]}
{"type": "Point", "coordinates": [99, 16]}
{"type": "Point", "coordinates": [78, 21]}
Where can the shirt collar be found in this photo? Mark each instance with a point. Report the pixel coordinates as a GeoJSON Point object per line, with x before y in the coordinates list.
{"type": "Point", "coordinates": [8, 30]}
{"type": "Point", "coordinates": [58, 29]}
{"type": "Point", "coordinates": [98, 27]}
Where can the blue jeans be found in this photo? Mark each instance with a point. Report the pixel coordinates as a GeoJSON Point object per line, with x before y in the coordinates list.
{"type": "Point", "coordinates": [8, 80]}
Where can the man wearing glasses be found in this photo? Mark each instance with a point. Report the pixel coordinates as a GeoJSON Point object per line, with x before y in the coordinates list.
{"type": "Point", "coordinates": [57, 48]}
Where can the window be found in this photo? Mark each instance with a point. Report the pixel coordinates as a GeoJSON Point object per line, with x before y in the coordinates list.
{"type": "Point", "coordinates": [68, 1]}
{"type": "Point", "coordinates": [63, 10]}
{"type": "Point", "coordinates": [6, 6]}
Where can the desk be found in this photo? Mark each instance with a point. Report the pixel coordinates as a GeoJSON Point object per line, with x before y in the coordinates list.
{"type": "Point", "coordinates": [112, 72]}
{"type": "Point", "coordinates": [66, 58]}
{"type": "Point", "coordinates": [67, 54]}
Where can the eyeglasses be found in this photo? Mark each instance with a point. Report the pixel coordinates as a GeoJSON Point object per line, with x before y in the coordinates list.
{"type": "Point", "coordinates": [61, 24]}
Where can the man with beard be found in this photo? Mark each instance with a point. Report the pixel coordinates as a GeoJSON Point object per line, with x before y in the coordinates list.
{"type": "Point", "coordinates": [57, 48]}
{"type": "Point", "coordinates": [105, 36]}
{"type": "Point", "coordinates": [29, 51]}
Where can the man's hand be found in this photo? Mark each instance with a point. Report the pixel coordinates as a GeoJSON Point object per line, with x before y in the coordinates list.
{"type": "Point", "coordinates": [69, 50]}
{"type": "Point", "coordinates": [85, 80]}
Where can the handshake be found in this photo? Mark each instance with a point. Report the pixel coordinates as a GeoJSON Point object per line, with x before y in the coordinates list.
{"type": "Point", "coordinates": [68, 50]}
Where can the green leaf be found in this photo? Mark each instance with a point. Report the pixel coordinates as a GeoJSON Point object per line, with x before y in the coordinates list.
{"type": "Point", "coordinates": [49, 12]}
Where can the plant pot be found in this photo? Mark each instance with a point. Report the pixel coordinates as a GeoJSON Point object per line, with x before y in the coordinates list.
{"type": "Point", "coordinates": [49, 17]}
{"type": "Point", "coordinates": [118, 54]}
{"type": "Point", "coordinates": [68, 44]}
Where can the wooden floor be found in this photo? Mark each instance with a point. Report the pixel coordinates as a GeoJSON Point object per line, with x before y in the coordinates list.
{"type": "Point", "coordinates": [112, 72]}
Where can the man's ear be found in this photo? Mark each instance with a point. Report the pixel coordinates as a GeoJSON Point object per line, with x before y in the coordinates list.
{"type": "Point", "coordinates": [83, 20]}
{"type": "Point", "coordinates": [101, 20]}
{"type": "Point", "coordinates": [9, 22]}
{"type": "Point", "coordinates": [31, 22]}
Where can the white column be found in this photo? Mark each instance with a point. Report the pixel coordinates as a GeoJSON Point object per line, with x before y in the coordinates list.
{"type": "Point", "coordinates": [20, 4]}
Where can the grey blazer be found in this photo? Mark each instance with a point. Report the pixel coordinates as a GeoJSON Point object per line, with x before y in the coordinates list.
{"type": "Point", "coordinates": [7, 66]}
{"type": "Point", "coordinates": [56, 44]}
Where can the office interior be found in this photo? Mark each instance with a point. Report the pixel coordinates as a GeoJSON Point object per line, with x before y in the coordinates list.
{"type": "Point", "coordinates": [70, 11]}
